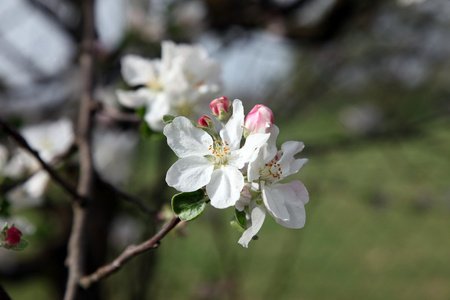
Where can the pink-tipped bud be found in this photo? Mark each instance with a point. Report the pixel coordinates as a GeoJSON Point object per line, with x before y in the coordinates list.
{"type": "Point", "coordinates": [13, 236]}
{"type": "Point", "coordinates": [221, 109]}
{"type": "Point", "coordinates": [258, 119]}
{"type": "Point", "coordinates": [205, 122]}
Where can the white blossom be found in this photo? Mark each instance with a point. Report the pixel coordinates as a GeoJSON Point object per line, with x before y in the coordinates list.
{"type": "Point", "coordinates": [284, 202]}
{"type": "Point", "coordinates": [174, 84]}
{"type": "Point", "coordinates": [214, 163]}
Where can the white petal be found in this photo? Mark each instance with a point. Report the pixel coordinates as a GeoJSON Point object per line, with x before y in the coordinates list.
{"type": "Point", "coordinates": [185, 139]}
{"type": "Point", "coordinates": [225, 186]}
{"type": "Point", "coordinates": [139, 71]}
{"type": "Point", "coordinates": [266, 154]}
{"type": "Point", "coordinates": [249, 151]}
{"type": "Point", "coordinates": [156, 111]}
{"type": "Point", "coordinates": [190, 173]}
{"type": "Point", "coordinates": [295, 166]}
{"type": "Point", "coordinates": [274, 197]}
{"type": "Point", "coordinates": [258, 215]}
{"type": "Point", "coordinates": [289, 149]}
{"type": "Point", "coordinates": [295, 205]}
{"type": "Point", "coordinates": [134, 99]}
{"type": "Point", "coordinates": [232, 131]}
{"type": "Point", "coordinates": [35, 186]}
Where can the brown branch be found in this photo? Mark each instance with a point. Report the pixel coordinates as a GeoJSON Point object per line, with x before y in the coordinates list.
{"type": "Point", "coordinates": [3, 294]}
{"type": "Point", "coordinates": [76, 252]}
{"type": "Point", "coordinates": [6, 187]}
{"type": "Point", "coordinates": [15, 135]}
{"type": "Point", "coordinates": [115, 114]}
{"type": "Point", "coordinates": [128, 254]}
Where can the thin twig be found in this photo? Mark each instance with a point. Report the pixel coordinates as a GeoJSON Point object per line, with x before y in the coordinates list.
{"type": "Point", "coordinates": [115, 114]}
{"type": "Point", "coordinates": [15, 135]}
{"type": "Point", "coordinates": [6, 187]}
{"type": "Point", "coordinates": [76, 253]}
{"type": "Point", "coordinates": [130, 252]}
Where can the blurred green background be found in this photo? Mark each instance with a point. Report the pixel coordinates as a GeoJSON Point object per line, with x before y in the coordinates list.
{"type": "Point", "coordinates": [365, 86]}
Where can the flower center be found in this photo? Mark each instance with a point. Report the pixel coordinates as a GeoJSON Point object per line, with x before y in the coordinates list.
{"type": "Point", "coordinates": [184, 108]}
{"type": "Point", "coordinates": [220, 151]}
{"type": "Point", "coordinates": [155, 85]}
{"type": "Point", "coordinates": [271, 171]}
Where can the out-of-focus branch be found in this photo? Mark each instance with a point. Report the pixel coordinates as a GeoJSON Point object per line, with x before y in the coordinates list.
{"type": "Point", "coordinates": [115, 114]}
{"type": "Point", "coordinates": [16, 136]}
{"type": "Point", "coordinates": [129, 253]}
{"type": "Point", "coordinates": [3, 294]}
{"type": "Point", "coordinates": [76, 253]}
{"type": "Point", "coordinates": [5, 188]}
{"type": "Point", "coordinates": [43, 8]}
{"type": "Point", "coordinates": [130, 198]}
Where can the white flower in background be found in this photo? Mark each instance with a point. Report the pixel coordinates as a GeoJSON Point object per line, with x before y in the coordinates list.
{"type": "Point", "coordinates": [174, 84]}
{"type": "Point", "coordinates": [113, 153]}
{"type": "Point", "coordinates": [50, 140]}
{"type": "Point", "coordinates": [284, 202]}
{"type": "Point", "coordinates": [215, 164]}
{"type": "Point", "coordinates": [3, 157]}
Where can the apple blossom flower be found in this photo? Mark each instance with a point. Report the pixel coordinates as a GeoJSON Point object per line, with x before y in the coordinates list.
{"type": "Point", "coordinates": [49, 140]}
{"type": "Point", "coordinates": [214, 163]}
{"type": "Point", "coordinates": [284, 202]}
{"type": "Point", "coordinates": [13, 236]}
{"type": "Point", "coordinates": [221, 109]}
{"type": "Point", "coordinates": [258, 119]}
{"type": "Point", "coordinates": [174, 84]}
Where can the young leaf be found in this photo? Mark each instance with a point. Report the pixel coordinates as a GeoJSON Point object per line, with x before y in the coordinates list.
{"type": "Point", "coordinates": [239, 222]}
{"type": "Point", "coordinates": [240, 218]}
{"type": "Point", "coordinates": [237, 226]}
{"type": "Point", "coordinates": [189, 206]}
{"type": "Point", "coordinates": [22, 245]}
{"type": "Point", "coordinates": [168, 118]}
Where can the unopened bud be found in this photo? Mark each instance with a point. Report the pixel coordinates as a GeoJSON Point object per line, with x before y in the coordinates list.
{"type": "Point", "coordinates": [205, 122]}
{"type": "Point", "coordinates": [258, 119]}
{"type": "Point", "coordinates": [13, 236]}
{"type": "Point", "coordinates": [221, 109]}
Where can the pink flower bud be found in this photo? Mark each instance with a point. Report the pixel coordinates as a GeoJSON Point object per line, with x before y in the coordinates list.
{"type": "Point", "coordinates": [13, 236]}
{"type": "Point", "coordinates": [258, 119]}
{"type": "Point", "coordinates": [205, 122]}
{"type": "Point", "coordinates": [221, 108]}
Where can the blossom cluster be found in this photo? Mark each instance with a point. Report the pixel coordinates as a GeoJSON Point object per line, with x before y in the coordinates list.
{"type": "Point", "coordinates": [248, 176]}
{"type": "Point", "coordinates": [172, 85]}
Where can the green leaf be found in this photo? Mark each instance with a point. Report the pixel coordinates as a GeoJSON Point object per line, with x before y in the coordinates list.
{"type": "Point", "coordinates": [240, 218]}
{"type": "Point", "coordinates": [168, 118]}
{"type": "Point", "coordinates": [239, 222]}
{"type": "Point", "coordinates": [237, 226]}
{"type": "Point", "coordinates": [23, 244]}
{"type": "Point", "coordinates": [144, 130]}
{"type": "Point", "coordinates": [189, 206]}
{"type": "Point", "coordinates": [141, 112]}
